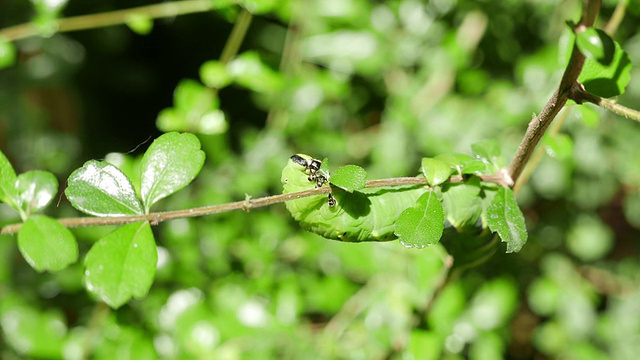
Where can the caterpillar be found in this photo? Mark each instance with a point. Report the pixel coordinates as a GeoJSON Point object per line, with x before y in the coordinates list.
{"type": "Point", "coordinates": [364, 215]}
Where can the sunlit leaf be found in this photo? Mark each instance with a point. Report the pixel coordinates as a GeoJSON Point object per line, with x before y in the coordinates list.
{"type": "Point", "coordinates": [214, 74]}
{"type": "Point", "coordinates": [544, 296]}
{"type": "Point", "coordinates": [349, 178]}
{"type": "Point", "coordinates": [607, 80]}
{"type": "Point", "coordinates": [421, 225]}
{"type": "Point", "coordinates": [505, 218]}
{"type": "Point", "coordinates": [489, 152]}
{"type": "Point", "coordinates": [463, 206]}
{"type": "Point", "coordinates": [249, 71]}
{"type": "Point", "coordinates": [596, 44]}
{"type": "Point", "coordinates": [47, 245]}
{"type": "Point", "coordinates": [589, 239]}
{"type": "Point", "coordinates": [7, 181]}
{"type": "Point", "coordinates": [35, 190]}
{"type": "Point", "coordinates": [34, 333]}
{"type": "Point", "coordinates": [7, 53]}
{"type": "Point", "coordinates": [424, 344]}
{"type": "Point", "coordinates": [260, 6]}
{"type": "Point", "coordinates": [122, 264]}
{"type": "Point", "coordinates": [558, 145]}
{"type": "Point", "coordinates": [172, 161]}
{"type": "Point", "coordinates": [196, 108]}
{"type": "Point", "coordinates": [462, 163]}
{"type": "Point", "coordinates": [99, 188]}
{"type": "Point", "coordinates": [435, 171]}
{"type": "Point", "coordinates": [139, 23]}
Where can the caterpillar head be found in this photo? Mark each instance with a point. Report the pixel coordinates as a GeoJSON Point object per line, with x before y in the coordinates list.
{"type": "Point", "coordinates": [302, 173]}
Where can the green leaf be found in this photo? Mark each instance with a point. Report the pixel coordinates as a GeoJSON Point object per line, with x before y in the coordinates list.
{"type": "Point", "coordinates": [349, 178]}
{"type": "Point", "coordinates": [7, 182]}
{"type": "Point", "coordinates": [196, 108]}
{"type": "Point", "coordinates": [558, 145]}
{"type": "Point", "coordinates": [35, 190]}
{"type": "Point", "coordinates": [260, 6]}
{"type": "Point", "coordinates": [421, 225]}
{"type": "Point", "coordinates": [190, 95]}
{"type": "Point", "coordinates": [47, 245]}
{"type": "Point", "coordinates": [33, 333]}
{"type": "Point", "coordinates": [435, 171]}
{"type": "Point", "coordinates": [589, 116]}
{"type": "Point", "coordinates": [595, 44]}
{"type": "Point", "coordinates": [249, 71]}
{"type": "Point", "coordinates": [607, 80]}
{"type": "Point", "coordinates": [424, 345]}
{"type": "Point", "coordinates": [505, 218]}
{"type": "Point", "coordinates": [172, 161]}
{"type": "Point", "coordinates": [7, 53]}
{"type": "Point", "coordinates": [101, 189]}
{"type": "Point", "coordinates": [214, 74]}
{"type": "Point", "coordinates": [139, 23]}
{"type": "Point", "coordinates": [122, 264]}
{"type": "Point", "coordinates": [589, 238]}
{"type": "Point", "coordinates": [489, 152]}
{"type": "Point", "coordinates": [462, 203]}
{"type": "Point", "coordinates": [462, 163]}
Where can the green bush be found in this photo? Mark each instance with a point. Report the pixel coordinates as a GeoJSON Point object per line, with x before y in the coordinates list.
{"type": "Point", "coordinates": [129, 116]}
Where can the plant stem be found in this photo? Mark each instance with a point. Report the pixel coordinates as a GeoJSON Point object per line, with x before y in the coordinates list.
{"type": "Point", "coordinates": [93, 21]}
{"type": "Point", "coordinates": [616, 17]}
{"type": "Point", "coordinates": [246, 205]}
{"type": "Point", "coordinates": [580, 95]}
{"type": "Point", "coordinates": [237, 36]}
{"type": "Point", "coordinates": [539, 125]}
{"type": "Point", "coordinates": [538, 154]}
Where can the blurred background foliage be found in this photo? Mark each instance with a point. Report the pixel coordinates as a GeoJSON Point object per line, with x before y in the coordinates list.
{"type": "Point", "coordinates": [376, 83]}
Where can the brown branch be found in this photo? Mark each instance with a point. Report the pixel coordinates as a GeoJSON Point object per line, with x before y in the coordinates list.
{"type": "Point", "coordinates": [539, 125]}
{"type": "Point", "coordinates": [246, 205]}
{"type": "Point", "coordinates": [580, 95]}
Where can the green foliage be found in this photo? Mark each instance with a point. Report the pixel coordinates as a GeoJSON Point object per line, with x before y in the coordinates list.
{"type": "Point", "coordinates": [171, 163]}
{"type": "Point", "coordinates": [35, 190]}
{"type": "Point", "coordinates": [606, 72]}
{"type": "Point", "coordinates": [505, 218]}
{"type": "Point", "coordinates": [7, 182]}
{"type": "Point", "coordinates": [140, 24]}
{"type": "Point", "coordinates": [595, 44]}
{"type": "Point", "coordinates": [122, 264]}
{"type": "Point", "coordinates": [435, 171]}
{"type": "Point", "coordinates": [46, 245]}
{"type": "Point", "coordinates": [195, 108]}
{"type": "Point", "coordinates": [99, 188]}
{"type": "Point", "coordinates": [214, 74]}
{"type": "Point", "coordinates": [349, 177]}
{"type": "Point", "coordinates": [399, 88]}
{"type": "Point", "coordinates": [421, 225]}
{"type": "Point", "coordinates": [7, 53]}
{"type": "Point", "coordinates": [32, 333]}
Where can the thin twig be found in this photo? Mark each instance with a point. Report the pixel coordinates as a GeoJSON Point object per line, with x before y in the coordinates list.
{"type": "Point", "coordinates": [539, 125]}
{"type": "Point", "coordinates": [580, 95]}
{"type": "Point", "coordinates": [616, 17]}
{"type": "Point", "coordinates": [538, 154]}
{"type": "Point", "coordinates": [237, 36]}
{"type": "Point", "coordinates": [246, 205]}
{"type": "Point", "coordinates": [93, 21]}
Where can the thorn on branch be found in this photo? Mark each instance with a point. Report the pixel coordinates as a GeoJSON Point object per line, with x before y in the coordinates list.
{"type": "Point", "coordinates": [246, 206]}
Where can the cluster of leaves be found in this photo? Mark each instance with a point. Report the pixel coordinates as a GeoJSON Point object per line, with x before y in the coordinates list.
{"type": "Point", "coordinates": [463, 205]}
{"type": "Point", "coordinates": [122, 264]}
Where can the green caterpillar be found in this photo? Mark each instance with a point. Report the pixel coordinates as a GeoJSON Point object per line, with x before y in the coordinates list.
{"type": "Point", "coordinates": [364, 215]}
